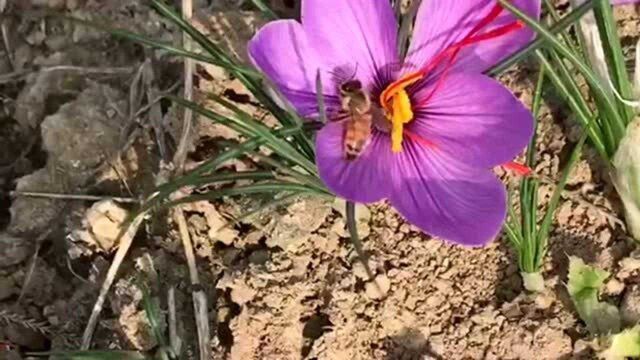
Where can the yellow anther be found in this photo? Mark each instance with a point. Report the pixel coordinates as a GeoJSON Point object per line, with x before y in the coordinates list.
{"type": "Point", "coordinates": [401, 113]}
{"type": "Point", "coordinates": [397, 105]}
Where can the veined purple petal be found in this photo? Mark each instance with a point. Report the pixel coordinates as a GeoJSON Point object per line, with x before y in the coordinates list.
{"type": "Point", "coordinates": [364, 179]}
{"type": "Point", "coordinates": [349, 37]}
{"type": "Point", "coordinates": [442, 23]}
{"type": "Point", "coordinates": [447, 198]}
{"type": "Point", "coordinates": [360, 33]}
{"type": "Point", "coordinates": [282, 51]}
{"type": "Point", "coordinates": [621, 2]}
{"type": "Point", "coordinates": [474, 118]}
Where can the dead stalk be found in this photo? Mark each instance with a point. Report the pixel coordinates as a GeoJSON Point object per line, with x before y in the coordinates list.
{"type": "Point", "coordinates": [174, 339]}
{"type": "Point", "coordinates": [199, 297]}
{"type": "Point", "coordinates": [55, 196]}
{"type": "Point", "coordinates": [123, 248]}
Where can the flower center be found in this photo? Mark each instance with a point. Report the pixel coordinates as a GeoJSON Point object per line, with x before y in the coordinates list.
{"type": "Point", "coordinates": [396, 102]}
{"type": "Point", "coordinates": [397, 107]}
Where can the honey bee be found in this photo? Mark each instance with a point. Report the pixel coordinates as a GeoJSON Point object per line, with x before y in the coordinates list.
{"type": "Point", "coordinates": [356, 103]}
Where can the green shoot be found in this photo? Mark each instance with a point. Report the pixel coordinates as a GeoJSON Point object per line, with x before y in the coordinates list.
{"type": "Point", "coordinates": [624, 345]}
{"type": "Point", "coordinates": [584, 283]}
{"type": "Point", "coordinates": [612, 121]}
{"type": "Point", "coordinates": [528, 237]}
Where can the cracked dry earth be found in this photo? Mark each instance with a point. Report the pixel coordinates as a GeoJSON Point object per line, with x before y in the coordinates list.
{"type": "Point", "coordinates": [283, 285]}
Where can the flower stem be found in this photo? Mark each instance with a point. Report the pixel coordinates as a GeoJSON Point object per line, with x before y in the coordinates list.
{"type": "Point", "coordinates": [355, 239]}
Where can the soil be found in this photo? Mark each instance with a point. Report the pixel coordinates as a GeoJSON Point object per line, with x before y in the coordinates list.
{"type": "Point", "coordinates": [283, 285]}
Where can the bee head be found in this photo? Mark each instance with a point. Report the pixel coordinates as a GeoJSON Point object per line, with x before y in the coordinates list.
{"type": "Point", "coordinates": [350, 86]}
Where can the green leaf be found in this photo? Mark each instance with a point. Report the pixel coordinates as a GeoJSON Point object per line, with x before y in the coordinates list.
{"type": "Point", "coordinates": [624, 345]}
{"type": "Point", "coordinates": [584, 284]}
{"type": "Point", "coordinates": [608, 103]}
{"type": "Point", "coordinates": [93, 355]}
{"type": "Point", "coordinates": [250, 128]}
{"type": "Point", "coordinates": [585, 119]}
{"type": "Point", "coordinates": [254, 85]}
{"type": "Point", "coordinates": [613, 50]}
{"type": "Point", "coordinates": [151, 308]}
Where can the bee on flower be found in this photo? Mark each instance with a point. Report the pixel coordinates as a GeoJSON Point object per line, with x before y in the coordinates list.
{"type": "Point", "coordinates": [423, 131]}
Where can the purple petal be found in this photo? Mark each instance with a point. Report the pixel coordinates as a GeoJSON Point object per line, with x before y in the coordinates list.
{"type": "Point", "coordinates": [364, 179]}
{"type": "Point", "coordinates": [282, 51]}
{"type": "Point", "coordinates": [620, 2]}
{"type": "Point", "coordinates": [476, 119]}
{"type": "Point", "coordinates": [351, 37]}
{"type": "Point", "coordinates": [441, 23]}
{"type": "Point", "coordinates": [360, 33]}
{"type": "Point", "coordinates": [446, 198]}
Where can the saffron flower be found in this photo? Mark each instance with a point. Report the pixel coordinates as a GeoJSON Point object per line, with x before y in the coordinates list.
{"type": "Point", "coordinates": [439, 125]}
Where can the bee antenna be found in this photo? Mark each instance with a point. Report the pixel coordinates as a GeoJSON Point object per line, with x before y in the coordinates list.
{"type": "Point", "coordinates": [355, 72]}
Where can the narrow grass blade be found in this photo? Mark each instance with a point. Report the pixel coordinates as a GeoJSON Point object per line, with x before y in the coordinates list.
{"type": "Point", "coordinates": [322, 108]}
{"type": "Point", "coordinates": [545, 226]}
{"type": "Point", "coordinates": [562, 25]}
{"type": "Point", "coordinates": [93, 355]}
{"type": "Point", "coordinates": [613, 51]}
{"type": "Point", "coordinates": [277, 201]}
{"type": "Point", "coordinates": [255, 86]}
{"type": "Point", "coordinates": [152, 310]}
{"type": "Point", "coordinates": [607, 99]}
{"type": "Point", "coordinates": [406, 25]}
{"type": "Point", "coordinates": [249, 127]}
{"type": "Point", "coordinates": [355, 238]}
{"type": "Point", "coordinates": [595, 134]}
{"type": "Point", "coordinates": [275, 187]}
{"type": "Point", "coordinates": [265, 9]}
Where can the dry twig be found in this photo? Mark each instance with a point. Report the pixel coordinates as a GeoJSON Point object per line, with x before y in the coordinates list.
{"type": "Point", "coordinates": [126, 239]}
{"type": "Point", "coordinates": [56, 196]}
{"type": "Point", "coordinates": [199, 298]}
{"type": "Point", "coordinates": [12, 318]}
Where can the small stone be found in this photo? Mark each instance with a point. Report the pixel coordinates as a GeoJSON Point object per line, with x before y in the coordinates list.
{"type": "Point", "coordinates": [13, 250]}
{"type": "Point", "coordinates": [630, 307]}
{"type": "Point", "coordinates": [378, 288]}
{"type": "Point", "coordinates": [614, 287]}
{"type": "Point", "coordinates": [360, 271]}
{"type": "Point", "coordinates": [103, 224]}
{"type": "Point", "coordinates": [73, 4]}
{"type": "Point", "coordinates": [260, 257]}
{"type": "Point", "coordinates": [26, 337]}
{"type": "Point", "coordinates": [7, 288]}
{"type": "Point", "coordinates": [242, 293]}
{"type": "Point", "coordinates": [512, 311]}
{"type": "Point", "coordinates": [544, 301]}
{"type": "Point", "coordinates": [628, 266]}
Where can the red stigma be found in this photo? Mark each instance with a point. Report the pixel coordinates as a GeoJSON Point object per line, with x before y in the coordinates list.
{"type": "Point", "coordinates": [450, 54]}
{"type": "Point", "coordinates": [519, 169]}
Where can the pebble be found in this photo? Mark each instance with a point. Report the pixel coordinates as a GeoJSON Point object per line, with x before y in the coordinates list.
{"type": "Point", "coordinates": [7, 288]}
{"type": "Point", "coordinates": [379, 288]}
{"type": "Point", "coordinates": [630, 307]}
{"type": "Point", "coordinates": [614, 287]}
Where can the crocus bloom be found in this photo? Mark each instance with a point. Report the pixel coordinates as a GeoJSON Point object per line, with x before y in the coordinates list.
{"type": "Point", "coordinates": [440, 125]}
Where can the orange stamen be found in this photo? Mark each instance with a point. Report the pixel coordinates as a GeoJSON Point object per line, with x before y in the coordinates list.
{"type": "Point", "coordinates": [397, 103]}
